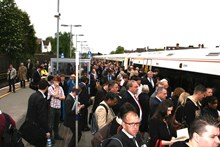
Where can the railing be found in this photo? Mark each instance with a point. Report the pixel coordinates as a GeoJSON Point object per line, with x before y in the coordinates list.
{"type": "Point", "coordinates": [3, 77]}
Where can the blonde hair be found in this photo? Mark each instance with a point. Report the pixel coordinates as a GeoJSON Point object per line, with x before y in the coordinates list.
{"type": "Point", "coordinates": [182, 98]}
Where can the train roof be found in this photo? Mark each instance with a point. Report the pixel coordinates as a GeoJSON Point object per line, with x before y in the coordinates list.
{"type": "Point", "coordinates": [202, 53]}
{"type": "Point", "coordinates": [202, 60]}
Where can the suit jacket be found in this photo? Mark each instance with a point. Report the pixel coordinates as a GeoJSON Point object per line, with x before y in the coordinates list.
{"type": "Point", "coordinates": [144, 102]}
{"type": "Point", "coordinates": [125, 140]}
{"type": "Point", "coordinates": [154, 102]}
{"type": "Point", "coordinates": [37, 110]}
{"type": "Point", "coordinates": [145, 81]}
{"type": "Point", "coordinates": [36, 77]}
{"type": "Point", "coordinates": [69, 119]}
{"type": "Point", "coordinates": [65, 87]}
{"type": "Point", "coordinates": [84, 95]}
{"type": "Point", "coordinates": [127, 97]}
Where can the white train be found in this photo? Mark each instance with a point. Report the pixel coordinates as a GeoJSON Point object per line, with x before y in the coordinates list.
{"type": "Point", "coordinates": [201, 60]}
{"type": "Point", "coordinates": [200, 65]}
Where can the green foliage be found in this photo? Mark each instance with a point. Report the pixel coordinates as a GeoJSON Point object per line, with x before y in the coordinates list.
{"type": "Point", "coordinates": [112, 52]}
{"type": "Point", "coordinates": [119, 50]}
{"type": "Point", "coordinates": [17, 35]}
{"type": "Point", "coordinates": [64, 44]}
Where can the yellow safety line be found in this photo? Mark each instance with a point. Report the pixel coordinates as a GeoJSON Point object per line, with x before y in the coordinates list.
{"type": "Point", "coordinates": [8, 93]}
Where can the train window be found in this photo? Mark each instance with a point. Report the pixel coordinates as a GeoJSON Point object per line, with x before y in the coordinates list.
{"type": "Point", "coordinates": [170, 54]}
{"type": "Point", "coordinates": [214, 54]}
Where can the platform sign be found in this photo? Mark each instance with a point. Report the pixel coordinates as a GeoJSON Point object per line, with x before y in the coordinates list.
{"type": "Point", "coordinates": [62, 55]}
{"type": "Point", "coordinates": [89, 54]}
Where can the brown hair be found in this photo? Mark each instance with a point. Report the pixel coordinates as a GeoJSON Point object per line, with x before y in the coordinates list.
{"type": "Point", "coordinates": [56, 78]}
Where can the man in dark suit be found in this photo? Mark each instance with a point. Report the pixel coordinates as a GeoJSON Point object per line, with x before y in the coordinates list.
{"type": "Point", "coordinates": [110, 76]}
{"type": "Point", "coordinates": [37, 75]}
{"type": "Point", "coordinates": [148, 80]}
{"type": "Point", "coordinates": [84, 99]}
{"type": "Point", "coordinates": [128, 136]}
{"type": "Point", "coordinates": [37, 111]}
{"type": "Point", "coordinates": [64, 85]}
{"type": "Point", "coordinates": [130, 96]}
{"type": "Point", "coordinates": [155, 101]}
{"type": "Point", "coordinates": [70, 115]}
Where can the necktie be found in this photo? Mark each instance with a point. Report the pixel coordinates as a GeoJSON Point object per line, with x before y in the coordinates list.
{"type": "Point", "coordinates": [152, 83]}
{"type": "Point", "coordinates": [135, 141]}
{"type": "Point", "coordinates": [138, 102]}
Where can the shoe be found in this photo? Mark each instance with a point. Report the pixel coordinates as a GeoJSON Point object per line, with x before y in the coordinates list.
{"type": "Point", "coordinates": [13, 91]}
{"type": "Point", "coordinates": [58, 138]}
{"type": "Point", "coordinates": [9, 91]}
{"type": "Point", "coordinates": [86, 129]}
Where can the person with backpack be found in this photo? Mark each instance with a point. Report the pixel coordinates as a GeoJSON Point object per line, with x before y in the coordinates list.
{"type": "Point", "coordinates": [129, 136]}
{"type": "Point", "coordinates": [9, 136]}
{"type": "Point", "coordinates": [104, 113]}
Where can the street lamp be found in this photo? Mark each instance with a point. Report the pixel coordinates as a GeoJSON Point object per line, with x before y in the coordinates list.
{"type": "Point", "coordinates": [65, 25]}
{"type": "Point", "coordinates": [57, 34]}
{"type": "Point", "coordinates": [82, 44]}
{"type": "Point", "coordinates": [76, 38]}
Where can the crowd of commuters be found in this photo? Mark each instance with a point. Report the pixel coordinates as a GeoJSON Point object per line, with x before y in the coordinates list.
{"type": "Point", "coordinates": [140, 102]}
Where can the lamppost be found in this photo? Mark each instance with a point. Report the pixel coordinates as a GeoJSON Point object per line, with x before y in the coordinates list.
{"type": "Point", "coordinates": [57, 34]}
{"type": "Point", "coordinates": [82, 45]}
{"type": "Point", "coordinates": [76, 38]}
{"type": "Point", "coordinates": [65, 25]}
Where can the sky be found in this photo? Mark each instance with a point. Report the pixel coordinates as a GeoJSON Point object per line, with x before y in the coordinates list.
{"type": "Point", "coordinates": [107, 24]}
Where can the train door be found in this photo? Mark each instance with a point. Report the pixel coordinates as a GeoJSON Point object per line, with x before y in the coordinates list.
{"type": "Point", "coordinates": [148, 65]}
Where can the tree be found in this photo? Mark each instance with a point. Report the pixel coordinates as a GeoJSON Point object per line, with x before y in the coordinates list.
{"type": "Point", "coordinates": [17, 35]}
{"type": "Point", "coordinates": [64, 44]}
{"type": "Point", "coordinates": [119, 50]}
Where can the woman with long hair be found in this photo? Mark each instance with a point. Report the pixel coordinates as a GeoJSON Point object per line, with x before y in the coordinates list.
{"type": "Point", "coordinates": [160, 128]}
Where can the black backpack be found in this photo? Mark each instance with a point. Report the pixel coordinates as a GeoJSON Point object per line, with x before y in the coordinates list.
{"type": "Point", "coordinates": [11, 136]}
{"type": "Point", "coordinates": [94, 125]}
{"type": "Point", "coordinates": [105, 142]}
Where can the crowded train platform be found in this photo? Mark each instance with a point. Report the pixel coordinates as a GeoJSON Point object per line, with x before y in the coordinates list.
{"type": "Point", "coordinates": [132, 102]}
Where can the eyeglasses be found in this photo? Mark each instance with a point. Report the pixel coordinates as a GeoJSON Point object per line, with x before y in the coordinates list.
{"type": "Point", "coordinates": [133, 124]}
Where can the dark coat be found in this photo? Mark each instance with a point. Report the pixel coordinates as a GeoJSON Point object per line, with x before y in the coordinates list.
{"type": "Point", "coordinates": [158, 130]}
{"type": "Point", "coordinates": [65, 87]}
{"type": "Point", "coordinates": [37, 110]}
{"type": "Point", "coordinates": [191, 111]}
{"type": "Point", "coordinates": [154, 103]}
{"type": "Point", "coordinates": [36, 77]}
{"type": "Point", "coordinates": [84, 95]}
{"type": "Point", "coordinates": [145, 81]}
{"type": "Point", "coordinates": [69, 119]}
{"type": "Point", "coordinates": [144, 102]}
{"type": "Point", "coordinates": [126, 141]}
{"type": "Point", "coordinates": [127, 97]}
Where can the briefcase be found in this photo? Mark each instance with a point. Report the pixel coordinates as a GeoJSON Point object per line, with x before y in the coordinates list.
{"type": "Point", "coordinates": [32, 132]}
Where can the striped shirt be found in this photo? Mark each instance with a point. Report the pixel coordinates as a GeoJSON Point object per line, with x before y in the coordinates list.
{"type": "Point", "coordinates": [55, 102]}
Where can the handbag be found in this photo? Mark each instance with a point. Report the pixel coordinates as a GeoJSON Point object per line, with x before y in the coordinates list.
{"type": "Point", "coordinates": [33, 85]}
{"type": "Point", "coordinates": [158, 143]}
{"type": "Point", "coordinates": [32, 132]}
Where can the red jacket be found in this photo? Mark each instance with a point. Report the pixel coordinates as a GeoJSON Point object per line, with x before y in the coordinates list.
{"type": "Point", "coordinates": [2, 126]}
